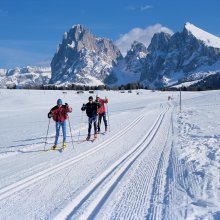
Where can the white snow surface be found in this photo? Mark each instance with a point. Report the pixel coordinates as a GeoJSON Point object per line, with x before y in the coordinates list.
{"type": "Point", "coordinates": [154, 162]}
{"type": "Point", "coordinates": [209, 39]}
{"type": "Point", "coordinates": [186, 84]}
{"type": "Point", "coordinates": [2, 72]}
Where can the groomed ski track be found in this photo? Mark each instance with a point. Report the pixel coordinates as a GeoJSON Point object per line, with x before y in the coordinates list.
{"type": "Point", "coordinates": [141, 168]}
{"type": "Point", "coordinates": [109, 179]}
{"type": "Point", "coordinates": [7, 191]}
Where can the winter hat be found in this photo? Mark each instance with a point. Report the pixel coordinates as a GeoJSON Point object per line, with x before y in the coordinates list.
{"type": "Point", "coordinates": [97, 96]}
{"type": "Point", "coordinates": [59, 101]}
{"type": "Point", "coordinates": [90, 98]}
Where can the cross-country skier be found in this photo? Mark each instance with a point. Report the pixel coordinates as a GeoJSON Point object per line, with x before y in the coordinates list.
{"type": "Point", "coordinates": [102, 112]}
{"type": "Point", "coordinates": [92, 112]}
{"type": "Point", "coordinates": [60, 114]}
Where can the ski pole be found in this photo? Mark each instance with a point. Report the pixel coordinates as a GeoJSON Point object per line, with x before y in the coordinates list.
{"type": "Point", "coordinates": [80, 125]}
{"type": "Point", "coordinates": [99, 122]}
{"type": "Point", "coordinates": [47, 134]}
{"type": "Point", "coordinates": [70, 131]}
{"type": "Point", "coordinates": [108, 117]}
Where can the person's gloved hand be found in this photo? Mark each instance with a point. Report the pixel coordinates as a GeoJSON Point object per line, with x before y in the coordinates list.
{"type": "Point", "coordinates": [83, 107]}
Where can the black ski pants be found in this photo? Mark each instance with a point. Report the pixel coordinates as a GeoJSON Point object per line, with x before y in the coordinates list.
{"type": "Point", "coordinates": [102, 115]}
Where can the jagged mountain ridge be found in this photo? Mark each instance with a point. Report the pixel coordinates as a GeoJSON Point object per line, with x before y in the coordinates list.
{"type": "Point", "coordinates": [83, 58]}
{"type": "Point", "coordinates": [182, 55]}
{"type": "Point", "coordinates": [167, 60]}
{"type": "Point", "coordinates": [26, 76]}
{"type": "Point", "coordinates": [129, 68]}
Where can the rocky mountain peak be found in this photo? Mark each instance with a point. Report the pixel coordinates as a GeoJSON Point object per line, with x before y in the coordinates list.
{"type": "Point", "coordinates": [83, 58]}
{"type": "Point", "coordinates": [208, 39]}
{"type": "Point", "coordinates": [159, 42]}
{"type": "Point", "coordinates": [173, 58]}
{"type": "Point", "coordinates": [78, 37]}
{"type": "Point", "coordinates": [137, 49]}
{"type": "Point", "coordinates": [129, 68]}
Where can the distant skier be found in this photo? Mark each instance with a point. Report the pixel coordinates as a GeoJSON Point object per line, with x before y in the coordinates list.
{"type": "Point", "coordinates": [92, 112]}
{"type": "Point", "coordinates": [102, 112]}
{"type": "Point", "coordinates": [60, 114]}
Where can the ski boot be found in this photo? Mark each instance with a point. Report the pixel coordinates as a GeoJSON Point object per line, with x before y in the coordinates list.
{"type": "Point", "coordinates": [64, 145]}
{"type": "Point", "coordinates": [54, 147]}
{"type": "Point", "coordinates": [88, 138]}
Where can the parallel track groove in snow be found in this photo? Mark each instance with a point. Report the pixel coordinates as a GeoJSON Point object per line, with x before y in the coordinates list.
{"type": "Point", "coordinates": [22, 184]}
{"type": "Point", "coordinates": [157, 208]}
{"type": "Point", "coordinates": [114, 173]}
{"type": "Point", "coordinates": [134, 203]}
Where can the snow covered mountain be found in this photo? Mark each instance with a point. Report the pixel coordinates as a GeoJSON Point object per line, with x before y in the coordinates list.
{"type": "Point", "coordinates": [83, 58]}
{"type": "Point", "coordinates": [27, 76]}
{"type": "Point", "coordinates": [2, 75]}
{"type": "Point", "coordinates": [129, 68]}
{"type": "Point", "coordinates": [184, 56]}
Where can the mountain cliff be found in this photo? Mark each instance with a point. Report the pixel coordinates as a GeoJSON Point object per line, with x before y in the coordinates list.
{"type": "Point", "coordinates": [83, 58]}
{"type": "Point", "coordinates": [129, 68]}
{"type": "Point", "coordinates": [180, 57]}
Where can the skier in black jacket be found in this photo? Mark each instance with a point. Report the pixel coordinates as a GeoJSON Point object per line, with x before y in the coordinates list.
{"type": "Point", "coordinates": [92, 112]}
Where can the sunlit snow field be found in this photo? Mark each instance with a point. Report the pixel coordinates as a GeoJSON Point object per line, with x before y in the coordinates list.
{"type": "Point", "coordinates": [155, 162]}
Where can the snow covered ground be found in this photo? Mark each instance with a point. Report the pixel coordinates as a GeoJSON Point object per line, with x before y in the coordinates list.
{"type": "Point", "coordinates": [154, 163]}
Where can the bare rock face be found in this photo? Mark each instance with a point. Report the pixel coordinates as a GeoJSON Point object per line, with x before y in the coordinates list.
{"type": "Point", "coordinates": [129, 68]}
{"type": "Point", "coordinates": [155, 60]}
{"type": "Point", "coordinates": [173, 58]}
{"type": "Point", "coordinates": [135, 57]}
{"type": "Point", "coordinates": [83, 58]}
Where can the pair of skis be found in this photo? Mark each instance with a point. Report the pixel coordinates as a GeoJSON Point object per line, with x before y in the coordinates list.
{"type": "Point", "coordinates": [91, 139]}
{"type": "Point", "coordinates": [61, 149]}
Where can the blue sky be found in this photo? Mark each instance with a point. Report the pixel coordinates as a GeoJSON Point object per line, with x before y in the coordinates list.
{"type": "Point", "coordinates": [30, 30]}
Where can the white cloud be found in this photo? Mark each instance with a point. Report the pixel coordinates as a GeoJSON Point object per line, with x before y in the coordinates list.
{"type": "Point", "coordinates": [142, 35]}
{"type": "Point", "coordinates": [146, 7]}
{"type": "Point", "coordinates": [131, 8]}
{"type": "Point", "coordinates": [138, 8]}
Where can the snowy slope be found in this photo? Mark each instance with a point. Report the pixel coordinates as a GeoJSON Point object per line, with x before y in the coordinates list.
{"type": "Point", "coordinates": [2, 72]}
{"type": "Point", "coordinates": [186, 56]}
{"type": "Point", "coordinates": [155, 163]}
{"type": "Point", "coordinates": [2, 77]}
{"type": "Point", "coordinates": [26, 76]}
{"type": "Point", "coordinates": [209, 39]}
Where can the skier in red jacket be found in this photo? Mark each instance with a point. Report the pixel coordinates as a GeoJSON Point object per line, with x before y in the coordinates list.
{"type": "Point", "coordinates": [60, 114]}
{"type": "Point", "coordinates": [102, 112]}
